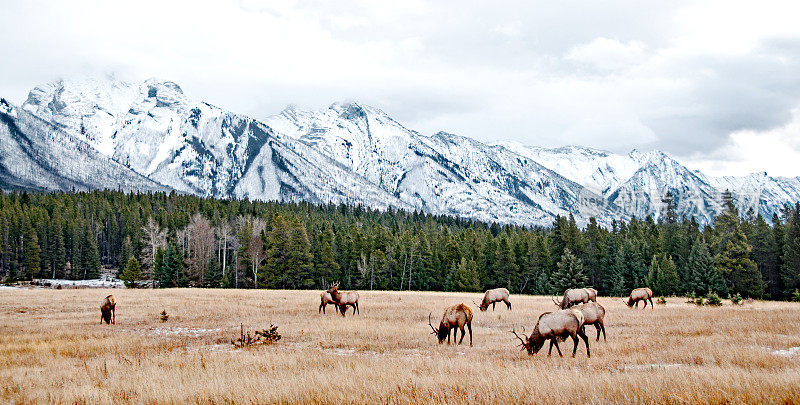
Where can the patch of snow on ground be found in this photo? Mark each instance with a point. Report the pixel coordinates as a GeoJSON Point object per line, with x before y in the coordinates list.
{"type": "Point", "coordinates": [190, 332]}
{"type": "Point", "coordinates": [788, 353]}
{"type": "Point", "coordinates": [654, 366]}
{"type": "Point", "coordinates": [106, 281]}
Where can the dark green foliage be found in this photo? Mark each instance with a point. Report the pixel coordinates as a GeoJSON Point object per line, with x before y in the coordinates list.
{"type": "Point", "coordinates": [704, 274]}
{"type": "Point", "coordinates": [569, 273]}
{"type": "Point", "coordinates": [713, 299]}
{"type": "Point", "coordinates": [734, 262]}
{"type": "Point", "coordinates": [663, 276]}
{"type": "Point", "coordinates": [790, 270]}
{"type": "Point", "coordinates": [463, 277]}
{"type": "Point", "coordinates": [182, 240]}
{"type": "Point", "coordinates": [132, 273]}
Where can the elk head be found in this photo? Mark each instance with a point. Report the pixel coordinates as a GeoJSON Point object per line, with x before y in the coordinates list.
{"type": "Point", "coordinates": [558, 304]}
{"type": "Point", "coordinates": [525, 345]}
{"type": "Point", "coordinates": [481, 306]}
{"type": "Point", "coordinates": [440, 332]}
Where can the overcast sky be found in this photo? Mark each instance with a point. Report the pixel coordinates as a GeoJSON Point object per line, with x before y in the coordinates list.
{"type": "Point", "coordinates": [714, 83]}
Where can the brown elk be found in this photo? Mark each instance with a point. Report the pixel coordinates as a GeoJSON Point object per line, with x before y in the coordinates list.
{"type": "Point", "coordinates": [325, 299]}
{"type": "Point", "coordinates": [556, 326]}
{"type": "Point", "coordinates": [640, 294]}
{"type": "Point", "coordinates": [575, 296]}
{"type": "Point", "coordinates": [593, 314]}
{"type": "Point", "coordinates": [493, 297]}
{"type": "Point", "coordinates": [454, 319]}
{"type": "Point", "coordinates": [344, 299]}
{"type": "Point", "coordinates": [107, 310]}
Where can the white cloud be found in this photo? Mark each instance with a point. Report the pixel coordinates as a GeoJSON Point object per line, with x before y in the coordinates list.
{"type": "Point", "coordinates": [776, 151]}
{"type": "Point", "coordinates": [680, 75]}
{"type": "Point", "coordinates": [608, 53]}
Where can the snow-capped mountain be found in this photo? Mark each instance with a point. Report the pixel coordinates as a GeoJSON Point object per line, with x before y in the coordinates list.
{"type": "Point", "coordinates": [34, 154]}
{"type": "Point", "coordinates": [638, 182]}
{"type": "Point", "coordinates": [444, 173]}
{"type": "Point", "coordinates": [151, 136]}
{"type": "Point", "coordinates": [194, 147]}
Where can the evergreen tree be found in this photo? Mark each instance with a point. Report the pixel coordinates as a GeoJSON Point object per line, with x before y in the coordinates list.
{"type": "Point", "coordinates": [91, 260]}
{"type": "Point", "coordinates": [790, 270]}
{"type": "Point", "coordinates": [734, 262]}
{"type": "Point", "coordinates": [570, 273]}
{"type": "Point", "coordinates": [663, 275]}
{"type": "Point", "coordinates": [132, 273]}
{"type": "Point", "coordinates": [505, 269]}
{"type": "Point", "coordinates": [30, 250]}
{"type": "Point", "coordinates": [705, 275]}
{"type": "Point", "coordinates": [463, 277]}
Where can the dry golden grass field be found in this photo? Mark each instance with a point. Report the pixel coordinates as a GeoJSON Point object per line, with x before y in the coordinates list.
{"type": "Point", "coordinates": [53, 349]}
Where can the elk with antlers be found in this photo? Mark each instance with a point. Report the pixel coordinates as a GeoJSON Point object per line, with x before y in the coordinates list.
{"type": "Point", "coordinates": [493, 297]}
{"type": "Point", "coordinates": [107, 310]}
{"type": "Point", "coordinates": [575, 296]}
{"type": "Point", "coordinates": [640, 294]}
{"type": "Point", "coordinates": [325, 299]}
{"type": "Point", "coordinates": [593, 314]}
{"type": "Point", "coordinates": [454, 319]}
{"type": "Point", "coordinates": [343, 299]}
{"type": "Point", "coordinates": [555, 326]}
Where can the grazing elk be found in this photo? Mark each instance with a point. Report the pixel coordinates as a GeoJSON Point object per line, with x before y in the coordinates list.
{"type": "Point", "coordinates": [325, 299]}
{"type": "Point", "coordinates": [640, 294]}
{"type": "Point", "coordinates": [493, 297]}
{"type": "Point", "coordinates": [575, 296]}
{"type": "Point", "coordinates": [107, 310]}
{"type": "Point", "coordinates": [344, 299]}
{"type": "Point", "coordinates": [454, 319]}
{"type": "Point", "coordinates": [593, 314]}
{"type": "Point", "coordinates": [556, 326]}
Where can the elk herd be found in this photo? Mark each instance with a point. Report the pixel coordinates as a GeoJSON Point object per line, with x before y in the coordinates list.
{"type": "Point", "coordinates": [577, 309]}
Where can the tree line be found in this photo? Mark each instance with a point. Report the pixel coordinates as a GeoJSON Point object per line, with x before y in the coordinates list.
{"type": "Point", "coordinates": [173, 240]}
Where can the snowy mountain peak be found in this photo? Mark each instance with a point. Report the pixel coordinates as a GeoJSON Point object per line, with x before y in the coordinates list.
{"type": "Point", "coordinates": [150, 133]}
{"type": "Point", "coordinates": [6, 108]}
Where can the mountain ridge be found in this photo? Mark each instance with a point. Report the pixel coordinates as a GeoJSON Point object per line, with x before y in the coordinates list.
{"type": "Point", "coordinates": [354, 153]}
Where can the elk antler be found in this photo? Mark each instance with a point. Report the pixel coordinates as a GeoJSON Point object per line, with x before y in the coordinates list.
{"type": "Point", "coordinates": [514, 331]}
{"type": "Point", "coordinates": [554, 300]}
{"type": "Point", "coordinates": [435, 331]}
{"type": "Point", "coordinates": [476, 304]}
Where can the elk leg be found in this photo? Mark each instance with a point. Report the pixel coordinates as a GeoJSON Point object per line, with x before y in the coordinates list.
{"type": "Point", "coordinates": [651, 303]}
{"type": "Point", "coordinates": [598, 326]}
{"type": "Point", "coordinates": [469, 326]}
{"type": "Point", "coordinates": [508, 304]}
{"type": "Point", "coordinates": [357, 310]}
{"type": "Point", "coordinates": [575, 346]}
{"type": "Point", "coordinates": [114, 316]}
{"type": "Point", "coordinates": [493, 305]}
{"type": "Point", "coordinates": [550, 350]}
{"type": "Point", "coordinates": [463, 333]}
{"type": "Point", "coordinates": [585, 338]}
{"type": "Point", "coordinates": [557, 348]}
{"type": "Point", "coordinates": [321, 307]}
{"type": "Point", "coordinates": [604, 332]}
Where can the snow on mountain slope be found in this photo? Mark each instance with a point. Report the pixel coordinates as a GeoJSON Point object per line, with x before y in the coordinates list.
{"type": "Point", "coordinates": [194, 147]}
{"type": "Point", "coordinates": [637, 182]}
{"type": "Point", "coordinates": [595, 169]}
{"type": "Point", "coordinates": [758, 192]}
{"type": "Point", "coordinates": [141, 134]}
{"type": "Point", "coordinates": [443, 174]}
{"type": "Point", "coordinates": [36, 154]}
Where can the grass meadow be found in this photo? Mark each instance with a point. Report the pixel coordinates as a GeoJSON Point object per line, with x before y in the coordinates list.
{"type": "Point", "coordinates": [53, 350]}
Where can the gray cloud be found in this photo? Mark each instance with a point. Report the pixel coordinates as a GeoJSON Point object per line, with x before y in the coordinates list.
{"type": "Point", "coordinates": [680, 76]}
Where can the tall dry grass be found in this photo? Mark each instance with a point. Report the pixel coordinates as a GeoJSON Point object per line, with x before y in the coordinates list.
{"type": "Point", "coordinates": [53, 349]}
